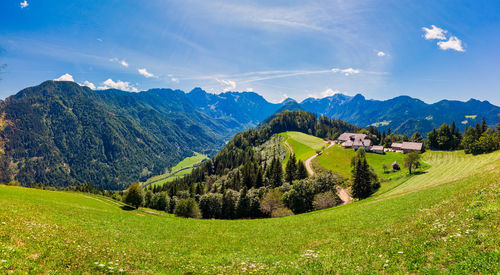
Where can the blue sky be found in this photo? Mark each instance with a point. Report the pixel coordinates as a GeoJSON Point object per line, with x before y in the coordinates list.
{"type": "Point", "coordinates": [279, 49]}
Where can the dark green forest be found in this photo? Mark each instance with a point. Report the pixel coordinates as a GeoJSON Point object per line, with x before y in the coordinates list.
{"type": "Point", "coordinates": [62, 134]}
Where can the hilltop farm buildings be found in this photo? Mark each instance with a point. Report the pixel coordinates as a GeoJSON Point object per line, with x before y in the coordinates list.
{"type": "Point", "coordinates": [355, 141]}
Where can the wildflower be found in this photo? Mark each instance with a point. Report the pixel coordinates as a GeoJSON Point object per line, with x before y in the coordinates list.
{"type": "Point", "coordinates": [3, 261]}
{"type": "Point", "coordinates": [400, 252]}
{"type": "Point", "coordinates": [101, 265]}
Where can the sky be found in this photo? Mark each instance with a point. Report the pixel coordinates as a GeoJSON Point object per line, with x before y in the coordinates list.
{"type": "Point", "coordinates": [431, 50]}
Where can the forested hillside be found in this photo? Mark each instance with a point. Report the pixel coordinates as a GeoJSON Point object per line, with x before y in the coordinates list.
{"type": "Point", "coordinates": [59, 133]}
{"type": "Point", "coordinates": [251, 162]}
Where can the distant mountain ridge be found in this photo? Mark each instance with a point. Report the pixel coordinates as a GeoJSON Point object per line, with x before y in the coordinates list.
{"type": "Point", "coordinates": [403, 114]}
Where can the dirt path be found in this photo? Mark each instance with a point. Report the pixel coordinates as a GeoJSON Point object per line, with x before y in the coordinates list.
{"type": "Point", "coordinates": [309, 160]}
{"type": "Point", "coordinates": [343, 193]}
{"type": "Point", "coordinates": [289, 147]}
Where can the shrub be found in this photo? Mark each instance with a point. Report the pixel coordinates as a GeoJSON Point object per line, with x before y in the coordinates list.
{"type": "Point", "coordinates": [160, 201]}
{"type": "Point", "coordinates": [281, 212]}
{"type": "Point", "coordinates": [187, 208]}
{"type": "Point", "coordinates": [134, 195]}
{"type": "Point", "coordinates": [271, 201]}
{"type": "Point", "coordinates": [326, 181]}
{"type": "Point", "coordinates": [300, 198]}
{"type": "Point", "coordinates": [211, 205]}
{"type": "Point", "coordinates": [326, 200]}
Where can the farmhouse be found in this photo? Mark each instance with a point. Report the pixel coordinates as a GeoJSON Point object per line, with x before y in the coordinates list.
{"type": "Point", "coordinates": [411, 146]}
{"type": "Point", "coordinates": [352, 140]}
{"type": "Point", "coordinates": [396, 146]}
{"type": "Point", "coordinates": [379, 149]}
{"type": "Point", "coordinates": [406, 147]}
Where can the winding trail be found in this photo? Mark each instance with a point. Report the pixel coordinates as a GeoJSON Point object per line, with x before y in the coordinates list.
{"type": "Point", "coordinates": [343, 193]}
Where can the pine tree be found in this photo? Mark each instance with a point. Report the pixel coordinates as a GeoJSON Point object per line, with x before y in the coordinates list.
{"type": "Point", "coordinates": [361, 186]}
{"type": "Point", "coordinates": [291, 168]}
{"type": "Point", "coordinates": [243, 208]}
{"type": "Point", "coordinates": [484, 126]}
{"type": "Point", "coordinates": [277, 175]}
{"type": "Point", "coordinates": [301, 171]}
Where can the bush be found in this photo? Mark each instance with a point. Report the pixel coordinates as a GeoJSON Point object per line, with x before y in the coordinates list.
{"type": "Point", "coordinates": [326, 181]}
{"type": "Point", "coordinates": [134, 195]}
{"type": "Point", "coordinates": [300, 198]}
{"type": "Point", "coordinates": [187, 208]}
{"type": "Point", "coordinates": [211, 205]}
{"type": "Point", "coordinates": [326, 200]}
{"type": "Point", "coordinates": [271, 201]}
{"type": "Point", "coordinates": [281, 212]}
{"type": "Point", "coordinates": [160, 201]}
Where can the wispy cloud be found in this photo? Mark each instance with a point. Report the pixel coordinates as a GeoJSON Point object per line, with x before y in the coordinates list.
{"type": "Point", "coordinates": [121, 62]}
{"type": "Point", "coordinates": [24, 4]}
{"type": "Point", "coordinates": [65, 77]}
{"type": "Point", "coordinates": [145, 73]}
{"type": "Point", "coordinates": [380, 53]}
{"type": "Point", "coordinates": [229, 85]}
{"type": "Point", "coordinates": [120, 85]}
{"type": "Point", "coordinates": [231, 81]}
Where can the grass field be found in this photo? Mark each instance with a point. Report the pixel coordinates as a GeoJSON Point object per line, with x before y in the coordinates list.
{"type": "Point", "coordinates": [338, 159]}
{"type": "Point", "coordinates": [182, 168]}
{"type": "Point", "coordinates": [304, 146]}
{"type": "Point", "coordinates": [443, 221]}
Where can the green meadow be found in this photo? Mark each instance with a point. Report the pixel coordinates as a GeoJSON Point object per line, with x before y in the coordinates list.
{"type": "Point", "coordinates": [182, 168]}
{"type": "Point", "coordinates": [444, 220]}
{"type": "Point", "coordinates": [304, 146]}
{"type": "Point", "coordinates": [338, 159]}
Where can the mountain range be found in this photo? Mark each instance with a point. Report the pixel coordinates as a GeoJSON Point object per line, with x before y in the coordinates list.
{"type": "Point", "coordinates": [61, 133]}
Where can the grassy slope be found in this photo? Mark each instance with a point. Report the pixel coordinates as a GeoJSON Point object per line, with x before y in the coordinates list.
{"type": "Point", "coordinates": [186, 164]}
{"type": "Point", "coordinates": [304, 146]}
{"type": "Point", "coordinates": [338, 159]}
{"type": "Point", "coordinates": [444, 220]}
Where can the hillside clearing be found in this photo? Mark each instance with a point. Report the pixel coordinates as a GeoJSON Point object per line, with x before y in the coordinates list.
{"type": "Point", "coordinates": [182, 168]}
{"type": "Point", "coordinates": [427, 224]}
{"type": "Point", "coordinates": [304, 146]}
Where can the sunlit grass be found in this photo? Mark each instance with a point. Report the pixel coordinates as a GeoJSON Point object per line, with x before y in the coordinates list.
{"type": "Point", "coordinates": [445, 220]}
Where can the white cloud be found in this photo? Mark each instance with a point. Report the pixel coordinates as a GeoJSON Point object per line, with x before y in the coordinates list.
{"type": "Point", "coordinates": [380, 53]}
{"type": "Point", "coordinates": [65, 77]}
{"type": "Point", "coordinates": [347, 71]}
{"type": "Point", "coordinates": [453, 43]}
{"type": "Point", "coordinates": [230, 85]}
{"type": "Point", "coordinates": [99, 39]}
{"type": "Point", "coordinates": [175, 80]}
{"type": "Point", "coordinates": [325, 93]}
{"type": "Point", "coordinates": [121, 62]}
{"type": "Point", "coordinates": [145, 73]}
{"type": "Point", "coordinates": [120, 85]}
{"type": "Point", "coordinates": [24, 4]}
{"type": "Point", "coordinates": [88, 84]}
{"type": "Point", "coordinates": [434, 33]}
